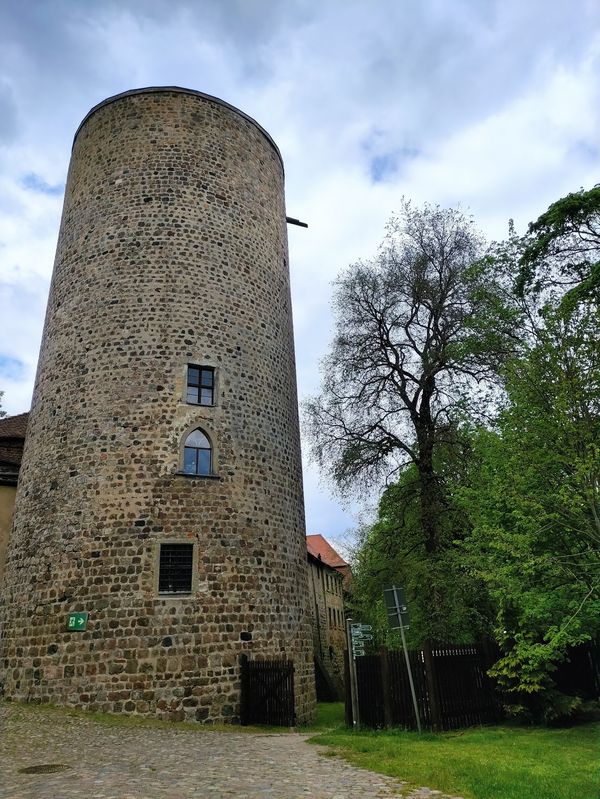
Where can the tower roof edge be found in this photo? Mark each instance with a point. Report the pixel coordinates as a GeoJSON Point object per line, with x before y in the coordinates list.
{"type": "Point", "coordinates": [178, 90]}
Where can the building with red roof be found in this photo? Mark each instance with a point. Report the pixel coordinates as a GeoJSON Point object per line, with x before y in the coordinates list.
{"type": "Point", "coordinates": [319, 547]}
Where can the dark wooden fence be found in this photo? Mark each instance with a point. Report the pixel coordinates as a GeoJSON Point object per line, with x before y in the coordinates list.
{"type": "Point", "coordinates": [464, 695]}
{"type": "Point", "coordinates": [579, 673]}
{"type": "Point", "coordinates": [452, 686]}
{"type": "Point", "coordinates": [267, 692]}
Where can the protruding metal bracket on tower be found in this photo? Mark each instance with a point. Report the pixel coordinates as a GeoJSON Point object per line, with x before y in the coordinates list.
{"type": "Point", "coordinates": [291, 221]}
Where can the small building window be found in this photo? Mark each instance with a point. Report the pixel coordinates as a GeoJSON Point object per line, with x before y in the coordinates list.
{"type": "Point", "coordinates": [197, 454]}
{"type": "Point", "coordinates": [200, 385]}
{"type": "Point", "coordinates": [175, 569]}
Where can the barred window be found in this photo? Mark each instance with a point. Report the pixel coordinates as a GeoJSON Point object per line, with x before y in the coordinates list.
{"type": "Point", "coordinates": [200, 385]}
{"type": "Point", "coordinates": [175, 568]}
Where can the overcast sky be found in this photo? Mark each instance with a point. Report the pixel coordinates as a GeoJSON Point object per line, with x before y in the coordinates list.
{"type": "Point", "coordinates": [493, 105]}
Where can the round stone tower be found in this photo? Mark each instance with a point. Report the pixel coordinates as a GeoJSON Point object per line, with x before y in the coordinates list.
{"type": "Point", "coordinates": [159, 524]}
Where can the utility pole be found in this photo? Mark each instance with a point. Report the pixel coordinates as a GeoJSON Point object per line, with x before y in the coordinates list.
{"type": "Point", "coordinates": [398, 618]}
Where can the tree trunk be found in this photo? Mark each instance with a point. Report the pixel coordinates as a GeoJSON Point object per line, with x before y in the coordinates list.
{"type": "Point", "coordinates": [432, 687]}
{"type": "Point", "coordinates": [430, 507]}
{"type": "Point", "coordinates": [428, 484]}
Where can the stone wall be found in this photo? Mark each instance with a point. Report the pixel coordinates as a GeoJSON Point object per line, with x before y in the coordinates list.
{"type": "Point", "coordinates": [336, 620]}
{"type": "Point", "coordinates": [328, 619]}
{"type": "Point", "coordinates": [172, 251]}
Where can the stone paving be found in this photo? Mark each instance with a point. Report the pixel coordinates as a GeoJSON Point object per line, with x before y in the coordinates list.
{"type": "Point", "coordinates": [145, 762]}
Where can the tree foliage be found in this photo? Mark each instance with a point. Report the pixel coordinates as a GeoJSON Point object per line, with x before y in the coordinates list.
{"type": "Point", "coordinates": [408, 338]}
{"type": "Point", "coordinates": [415, 326]}
{"type": "Point", "coordinates": [562, 249]}
{"type": "Point", "coordinates": [491, 521]}
{"type": "Point", "coordinates": [392, 551]}
{"type": "Point", "coordinates": [533, 498]}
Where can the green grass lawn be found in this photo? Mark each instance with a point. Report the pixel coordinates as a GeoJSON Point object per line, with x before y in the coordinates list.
{"type": "Point", "coordinates": [479, 763]}
{"type": "Point", "coordinates": [330, 715]}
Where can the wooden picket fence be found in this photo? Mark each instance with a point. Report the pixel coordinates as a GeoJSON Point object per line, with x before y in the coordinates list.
{"type": "Point", "coordinates": [579, 673]}
{"type": "Point", "coordinates": [464, 694]}
{"type": "Point", "coordinates": [267, 692]}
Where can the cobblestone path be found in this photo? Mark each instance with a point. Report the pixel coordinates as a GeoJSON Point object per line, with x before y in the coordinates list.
{"type": "Point", "coordinates": [120, 762]}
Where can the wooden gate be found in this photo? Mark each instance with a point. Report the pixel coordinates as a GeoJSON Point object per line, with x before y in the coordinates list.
{"type": "Point", "coordinates": [267, 692]}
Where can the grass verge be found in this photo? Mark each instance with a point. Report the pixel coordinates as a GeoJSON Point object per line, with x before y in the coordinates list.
{"type": "Point", "coordinates": [484, 762]}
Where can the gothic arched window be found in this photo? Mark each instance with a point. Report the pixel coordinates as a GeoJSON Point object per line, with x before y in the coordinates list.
{"type": "Point", "coordinates": [197, 454]}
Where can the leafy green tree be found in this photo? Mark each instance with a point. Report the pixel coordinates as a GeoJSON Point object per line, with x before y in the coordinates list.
{"type": "Point", "coordinates": [562, 250]}
{"type": "Point", "coordinates": [392, 551]}
{"type": "Point", "coordinates": [534, 503]}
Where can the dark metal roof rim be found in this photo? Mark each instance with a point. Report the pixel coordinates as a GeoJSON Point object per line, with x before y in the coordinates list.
{"type": "Point", "coordinates": [178, 90]}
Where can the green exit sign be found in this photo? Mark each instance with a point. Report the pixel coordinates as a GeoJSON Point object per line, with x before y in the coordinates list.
{"type": "Point", "coordinates": [77, 621]}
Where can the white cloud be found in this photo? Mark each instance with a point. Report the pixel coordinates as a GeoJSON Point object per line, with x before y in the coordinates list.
{"type": "Point", "coordinates": [493, 104]}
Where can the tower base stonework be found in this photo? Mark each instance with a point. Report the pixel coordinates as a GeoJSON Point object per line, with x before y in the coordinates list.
{"type": "Point", "coordinates": [171, 263]}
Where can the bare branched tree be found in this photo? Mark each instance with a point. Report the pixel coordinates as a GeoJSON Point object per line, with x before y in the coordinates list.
{"type": "Point", "coordinates": [415, 326]}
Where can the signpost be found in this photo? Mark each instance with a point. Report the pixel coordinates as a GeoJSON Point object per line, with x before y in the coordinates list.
{"type": "Point", "coordinates": [77, 621]}
{"type": "Point", "coordinates": [357, 635]}
{"type": "Point", "coordinates": [397, 610]}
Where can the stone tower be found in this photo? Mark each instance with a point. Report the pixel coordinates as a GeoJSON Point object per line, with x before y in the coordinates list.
{"type": "Point", "coordinates": [161, 486]}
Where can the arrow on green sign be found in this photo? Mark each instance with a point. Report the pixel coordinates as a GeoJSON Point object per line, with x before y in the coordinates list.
{"type": "Point", "coordinates": [77, 621]}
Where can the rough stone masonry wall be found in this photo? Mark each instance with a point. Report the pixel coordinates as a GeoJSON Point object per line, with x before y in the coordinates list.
{"type": "Point", "coordinates": [172, 250]}
{"type": "Point", "coordinates": [318, 608]}
{"type": "Point", "coordinates": [334, 599]}
{"type": "Point", "coordinates": [329, 636]}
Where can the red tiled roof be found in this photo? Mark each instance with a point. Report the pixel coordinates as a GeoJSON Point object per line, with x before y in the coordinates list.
{"type": "Point", "coordinates": [320, 547]}
{"type": "Point", "coordinates": [14, 426]}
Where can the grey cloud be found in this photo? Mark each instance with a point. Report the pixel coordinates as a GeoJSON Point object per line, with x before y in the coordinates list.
{"type": "Point", "coordinates": [49, 36]}
{"type": "Point", "coordinates": [426, 69]}
{"type": "Point", "coordinates": [9, 115]}
{"type": "Point", "coordinates": [248, 23]}
{"type": "Point", "coordinates": [421, 69]}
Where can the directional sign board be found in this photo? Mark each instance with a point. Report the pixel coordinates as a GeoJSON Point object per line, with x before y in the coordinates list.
{"type": "Point", "coordinates": [397, 610]}
{"type": "Point", "coordinates": [77, 621]}
{"type": "Point", "coordinates": [360, 633]}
